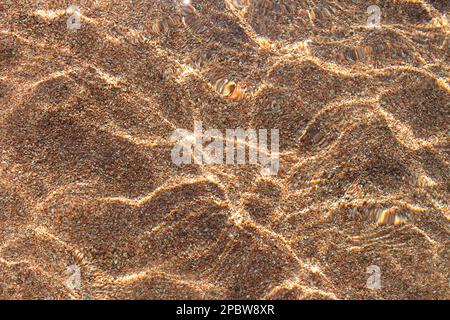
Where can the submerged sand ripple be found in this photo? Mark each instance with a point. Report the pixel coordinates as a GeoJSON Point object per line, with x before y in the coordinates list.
{"type": "Point", "coordinates": [87, 179]}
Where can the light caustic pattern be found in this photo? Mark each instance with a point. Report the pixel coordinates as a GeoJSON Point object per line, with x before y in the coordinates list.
{"type": "Point", "coordinates": [88, 185]}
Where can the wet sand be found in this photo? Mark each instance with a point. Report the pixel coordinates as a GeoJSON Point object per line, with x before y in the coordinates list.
{"type": "Point", "coordinates": [87, 180]}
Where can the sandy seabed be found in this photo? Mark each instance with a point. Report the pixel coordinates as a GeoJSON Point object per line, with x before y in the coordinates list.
{"type": "Point", "coordinates": [87, 180]}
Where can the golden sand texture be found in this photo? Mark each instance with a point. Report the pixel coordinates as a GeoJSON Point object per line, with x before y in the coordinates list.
{"type": "Point", "coordinates": [86, 176]}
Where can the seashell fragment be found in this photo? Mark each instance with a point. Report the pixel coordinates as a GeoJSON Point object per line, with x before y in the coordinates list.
{"type": "Point", "coordinates": [316, 137]}
{"type": "Point", "coordinates": [191, 19]}
{"type": "Point", "coordinates": [319, 139]}
{"type": "Point", "coordinates": [228, 89]}
{"type": "Point", "coordinates": [175, 21]}
{"type": "Point", "coordinates": [359, 53]}
{"type": "Point", "coordinates": [188, 9]}
{"type": "Point", "coordinates": [78, 256]}
{"type": "Point", "coordinates": [161, 26]}
{"type": "Point", "coordinates": [285, 8]}
{"type": "Point", "coordinates": [389, 217]}
{"type": "Point", "coordinates": [237, 3]}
